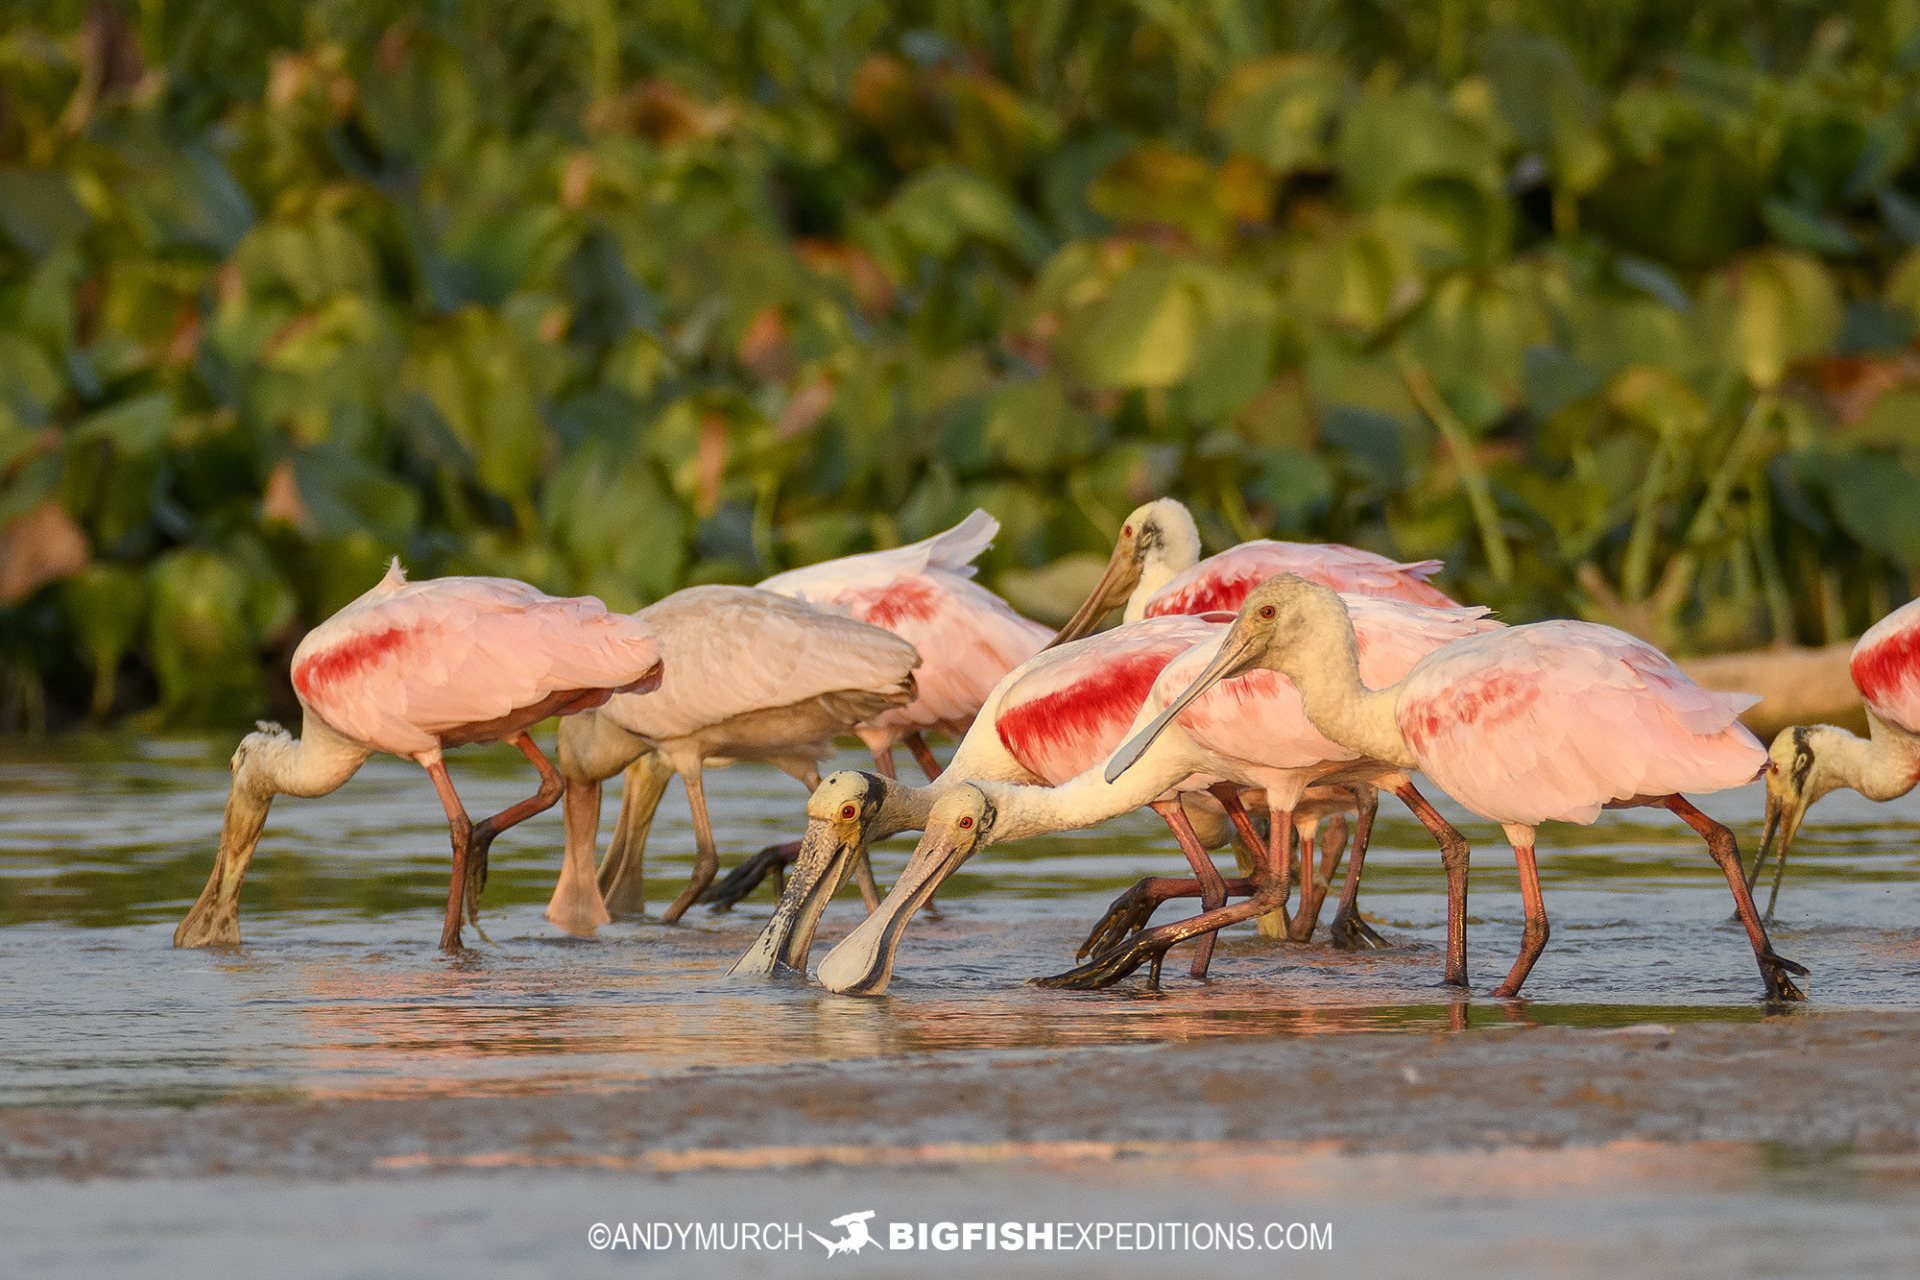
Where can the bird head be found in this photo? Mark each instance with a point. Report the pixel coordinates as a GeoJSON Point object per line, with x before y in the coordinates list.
{"type": "Point", "coordinates": [1799, 771]}
{"type": "Point", "coordinates": [1157, 541]}
{"type": "Point", "coordinates": [841, 817]}
{"type": "Point", "coordinates": [960, 823]}
{"type": "Point", "coordinates": [1271, 622]}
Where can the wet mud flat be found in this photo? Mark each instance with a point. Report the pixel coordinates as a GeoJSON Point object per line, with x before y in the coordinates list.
{"type": "Point", "coordinates": [1786, 1146]}
{"type": "Point", "coordinates": [1808, 1080]}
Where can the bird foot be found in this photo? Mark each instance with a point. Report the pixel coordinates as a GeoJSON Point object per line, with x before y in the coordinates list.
{"type": "Point", "coordinates": [1112, 965]}
{"type": "Point", "coordinates": [1351, 933]}
{"type": "Point", "coordinates": [1125, 916]}
{"type": "Point", "coordinates": [745, 878]}
{"type": "Point", "coordinates": [1781, 989]}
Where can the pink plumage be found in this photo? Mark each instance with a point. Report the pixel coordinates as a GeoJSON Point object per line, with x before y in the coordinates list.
{"type": "Point", "coordinates": [967, 637]}
{"type": "Point", "coordinates": [1221, 582]}
{"type": "Point", "coordinates": [1071, 706]}
{"type": "Point", "coordinates": [1555, 720]}
{"type": "Point", "coordinates": [411, 667]}
{"type": "Point", "coordinates": [1886, 668]}
{"type": "Point", "coordinates": [1257, 718]}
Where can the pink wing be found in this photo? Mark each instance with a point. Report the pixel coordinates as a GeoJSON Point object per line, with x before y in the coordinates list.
{"type": "Point", "coordinates": [1222, 582]}
{"type": "Point", "coordinates": [968, 638]}
{"type": "Point", "coordinates": [1886, 667]}
{"type": "Point", "coordinates": [1556, 719]}
{"type": "Point", "coordinates": [1070, 707]}
{"type": "Point", "coordinates": [1257, 718]}
{"type": "Point", "coordinates": [734, 650]}
{"type": "Point", "coordinates": [408, 662]}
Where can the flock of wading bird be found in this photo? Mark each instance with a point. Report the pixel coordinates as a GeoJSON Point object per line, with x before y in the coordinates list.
{"type": "Point", "coordinates": [1298, 680]}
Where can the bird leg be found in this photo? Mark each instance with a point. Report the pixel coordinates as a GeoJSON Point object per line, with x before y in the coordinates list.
{"type": "Point", "coordinates": [923, 756]}
{"type": "Point", "coordinates": [747, 875]}
{"type": "Point", "coordinates": [1213, 890]}
{"type": "Point", "coordinates": [460, 827]}
{"type": "Point", "coordinates": [1454, 856]}
{"type": "Point", "coordinates": [1313, 884]}
{"type": "Point", "coordinates": [706, 856]}
{"type": "Point", "coordinates": [1274, 924]}
{"type": "Point", "coordinates": [483, 834]}
{"type": "Point", "coordinates": [1535, 939]}
{"type": "Point", "coordinates": [1348, 931]}
{"type": "Point", "coordinates": [1774, 969]}
{"type": "Point", "coordinates": [1152, 946]}
{"type": "Point", "coordinates": [1128, 914]}
{"type": "Point", "coordinates": [577, 905]}
{"type": "Point", "coordinates": [623, 870]}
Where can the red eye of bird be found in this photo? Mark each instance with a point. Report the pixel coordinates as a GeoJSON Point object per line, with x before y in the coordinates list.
{"type": "Point", "coordinates": [1266, 611]}
{"type": "Point", "coordinates": [965, 823]}
{"type": "Point", "coordinates": [1127, 532]}
{"type": "Point", "coordinates": [847, 811]}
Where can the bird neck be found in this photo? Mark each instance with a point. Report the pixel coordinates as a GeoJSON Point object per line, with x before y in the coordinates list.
{"type": "Point", "coordinates": [1883, 766]}
{"type": "Point", "coordinates": [313, 764]}
{"type": "Point", "coordinates": [904, 807]}
{"type": "Point", "coordinates": [1326, 671]}
{"type": "Point", "coordinates": [1022, 811]}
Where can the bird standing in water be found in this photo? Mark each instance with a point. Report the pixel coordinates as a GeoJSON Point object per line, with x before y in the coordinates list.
{"type": "Point", "coordinates": [411, 669]}
{"type": "Point", "coordinates": [1551, 721]}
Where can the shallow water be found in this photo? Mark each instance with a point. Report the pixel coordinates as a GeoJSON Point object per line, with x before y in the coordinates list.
{"type": "Point", "coordinates": [339, 990]}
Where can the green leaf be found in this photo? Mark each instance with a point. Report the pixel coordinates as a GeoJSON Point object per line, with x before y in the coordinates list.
{"type": "Point", "coordinates": [38, 210]}
{"type": "Point", "coordinates": [1812, 232]}
{"type": "Point", "coordinates": [1877, 499]}
{"type": "Point", "coordinates": [134, 428]}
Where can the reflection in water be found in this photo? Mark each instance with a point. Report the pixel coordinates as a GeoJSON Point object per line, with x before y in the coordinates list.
{"type": "Point", "coordinates": [339, 991]}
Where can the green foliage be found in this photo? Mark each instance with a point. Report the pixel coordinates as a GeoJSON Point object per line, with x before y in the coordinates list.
{"type": "Point", "coordinates": [1608, 303]}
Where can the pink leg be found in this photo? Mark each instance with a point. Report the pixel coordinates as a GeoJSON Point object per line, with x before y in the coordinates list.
{"type": "Point", "coordinates": [1213, 890]}
{"type": "Point", "coordinates": [1535, 940]}
{"type": "Point", "coordinates": [1453, 856]}
{"type": "Point", "coordinates": [1726, 851]}
{"type": "Point", "coordinates": [1152, 946]}
{"type": "Point", "coordinates": [461, 828]}
{"type": "Point", "coordinates": [552, 787]}
{"type": "Point", "coordinates": [923, 756]}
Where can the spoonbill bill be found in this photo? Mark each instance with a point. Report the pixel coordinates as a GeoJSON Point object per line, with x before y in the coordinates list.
{"type": "Point", "coordinates": [1549, 721]}
{"type": "Point", "coordinates": [1251, 732]}
{"type": "Point", "coordinates": [752, 676]}
{"type": "Point", "coordinates": [1156, 570]}
{"type": "Point", "coordinates": [411, 669]}
{"type": "Point", "coordinates": [1807, 761]}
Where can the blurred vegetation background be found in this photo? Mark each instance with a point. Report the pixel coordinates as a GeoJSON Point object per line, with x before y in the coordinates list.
{"type": "Point", "coordinates": [1608, 303]}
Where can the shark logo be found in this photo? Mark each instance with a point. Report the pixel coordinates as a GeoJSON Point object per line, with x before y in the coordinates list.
{"type": "Point", "coordinates": [856, 1239]}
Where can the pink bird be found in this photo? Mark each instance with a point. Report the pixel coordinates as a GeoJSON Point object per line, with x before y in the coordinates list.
{"type": "Point", "coordinates": [1555, 720]}
{"type": "Point", "coordinates": [1249, 733]}
{"type": "Point", "coordinates": [411, 669]}
{"type": "Point", "coordinates": [1156, 570]}
{"type": "Point", "coordinates": [1808, 761]}
{"type": "Point", "coordinates": [967, 637]}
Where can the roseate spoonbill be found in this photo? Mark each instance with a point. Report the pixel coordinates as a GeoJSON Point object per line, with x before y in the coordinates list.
{"type": "Point", "coordinates": [967, 636]}
{"type": "Point", "coordinates": [1047, 720]}
{"type": "Point", "coordinates": [1808, 761]}
{"type": "Point", "coordinates": [1156, 570]}
{"type": "Point", "coordinates": [752, 676]}
{"type": "Point", "coordinates": [1251, 732]}
{"type": "Point", "coordinates": [1550, 721]}
{"type": "Point", "coordinates": [410, 669]}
